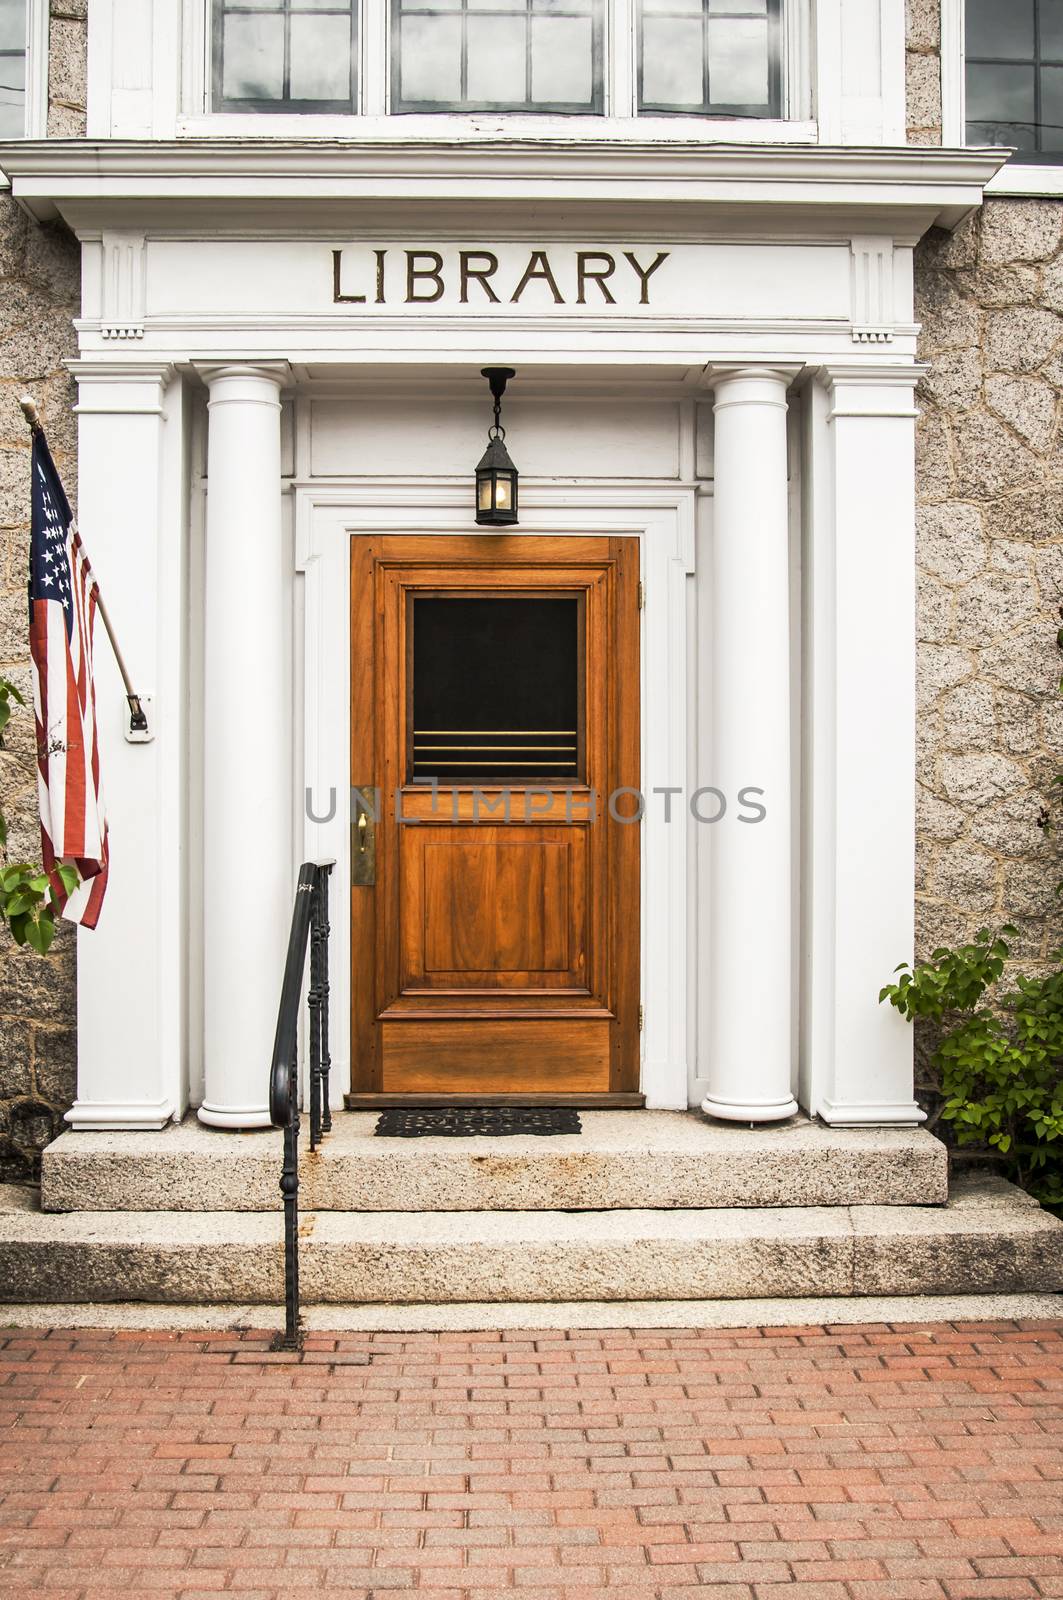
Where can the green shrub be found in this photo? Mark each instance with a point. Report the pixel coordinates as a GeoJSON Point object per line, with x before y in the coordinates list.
{"type": "Point", "coordinates": [27, 898]}
{"type": "Point", "coordinates": [1000, 1063]}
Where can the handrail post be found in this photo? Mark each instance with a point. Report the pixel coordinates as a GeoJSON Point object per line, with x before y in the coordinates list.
{"type": "Point", "coordinates": [309, 924]}
{"type": "Point", "coordinates": [314, 1004]}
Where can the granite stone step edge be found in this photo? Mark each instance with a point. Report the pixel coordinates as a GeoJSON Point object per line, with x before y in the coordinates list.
{"type": "Point", "coordinates": [627, 1160]}
{"type": "Point", "coordinates": [990, 1238]}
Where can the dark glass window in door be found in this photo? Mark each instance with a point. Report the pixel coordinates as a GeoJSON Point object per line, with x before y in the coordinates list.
{"type": "Point", "coordinates": [1014, 76]}
{"type": "Point", "coordinates": [711, 57]}
{"type": "Point", "coordinates": [496, 55]}
{"type": "Point", "coordinates": [285, 55]}
{"type": "Point", "coordinates": [495, 689]}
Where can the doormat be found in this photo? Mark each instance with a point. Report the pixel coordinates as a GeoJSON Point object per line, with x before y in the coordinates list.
{"type": "Point", "coordinates": [465, 1122]}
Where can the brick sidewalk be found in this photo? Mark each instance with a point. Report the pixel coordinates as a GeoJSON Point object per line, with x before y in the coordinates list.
{"type": "Point", "coordinates": [847, 1463]}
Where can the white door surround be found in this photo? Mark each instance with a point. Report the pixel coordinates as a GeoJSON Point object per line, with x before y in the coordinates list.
{"type": "Point", "coordinates": [662, 518]}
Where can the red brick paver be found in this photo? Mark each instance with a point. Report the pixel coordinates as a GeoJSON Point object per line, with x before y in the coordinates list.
{"type": "Point", "coordinates": [841, 1463]}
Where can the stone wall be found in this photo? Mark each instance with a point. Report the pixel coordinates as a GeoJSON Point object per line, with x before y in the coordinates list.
{"type": "Point", "coordinates": [39, 292]}
{"type": "Point", "coordinates": [923, 71]}
{"type": "Point", "coordinates": [990, 558]}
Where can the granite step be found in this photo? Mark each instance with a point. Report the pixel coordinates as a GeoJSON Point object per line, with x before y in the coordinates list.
{"type": "Point", "coordinates": [989, 1238]}
{"type": "Point", "coordinates": [623, 1160]}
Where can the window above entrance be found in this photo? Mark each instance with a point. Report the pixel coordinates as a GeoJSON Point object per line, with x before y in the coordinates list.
{"type": "Point", "coordinates": [285, 55]}
{"type": "Point", "coordinates": [496, 55]}
{"type": "Point", "coordinates": [618, 58]}
{"type": "Point", "coordinates": [711, 57]}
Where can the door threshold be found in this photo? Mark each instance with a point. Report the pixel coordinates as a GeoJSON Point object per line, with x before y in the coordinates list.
{"type": "Point", "coordinates": [575, 1102]}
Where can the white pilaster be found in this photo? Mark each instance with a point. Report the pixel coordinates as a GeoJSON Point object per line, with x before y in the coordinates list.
{"type": "Point", "coordinates": [750, 1004]}
{"type": "Point", "coordinates": [859, 823]}
{"type": "Point", "coordinates": [132, 1045]}
{"type": "Point", "coordinates": [246, 757]}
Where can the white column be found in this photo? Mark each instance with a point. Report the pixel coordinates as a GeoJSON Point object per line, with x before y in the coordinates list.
{"type": "Point", "coordinates": [132, 1036]}
{"type": "Point", "coordinates": [859, 803]}
{"type": "Point", "coordinates": [750, 1000]}
{"type": "Point", "coordinates": [246, 760]}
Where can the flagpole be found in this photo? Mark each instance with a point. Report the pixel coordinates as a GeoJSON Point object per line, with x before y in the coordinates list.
{"type": "Point", "coordinates": [138, 722]}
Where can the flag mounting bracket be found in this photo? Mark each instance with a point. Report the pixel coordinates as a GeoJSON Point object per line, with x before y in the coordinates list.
{"type": "Point", "coordinates": [137, 731]}
{"type": "Point", "coordinates": [145, 733]}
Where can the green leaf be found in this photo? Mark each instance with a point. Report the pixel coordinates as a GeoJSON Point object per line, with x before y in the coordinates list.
{"type": "Point", "coordinates": [41, 932]}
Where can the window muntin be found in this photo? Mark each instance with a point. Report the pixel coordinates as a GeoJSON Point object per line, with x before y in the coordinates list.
{"type": "Point", "coordinates": [285, 55]}
{"type": "Point", "coordinates": [1014, 76]}
{"type": "Point", "coordinates": [496, 55]}
{"type": "Point", "coordinates": [711, 57]}
{"type": "Point", "coordinates": [12, 69]}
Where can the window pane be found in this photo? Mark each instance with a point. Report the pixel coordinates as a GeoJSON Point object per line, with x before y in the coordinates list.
{"type": "Point", "coordinates": [431, 58]}
{"type": "Point", "coordinates": [254, 58]}
{"type": "Point", "coordinates": [672, 62]}
{"type": "Point", "coordinates": [497, 5]}
{"type": "Point", "coordinates": [1052, 108]}
{"type": "Point", "coordinates": [12, 24]}
{"type": "Point", "coordinates": [318, 5]}
{"type": "Point", "coordinates": [562, 61]}
{"type": "Point", "coordinates": [1000, 105]}
{"type": "Point", "coordinates": [497, 59]}
{"type": "Point", "coordinates": [692, 7]}
{"type": "Point", "coordinates": [738, 62]}
{"type": "Point", "coordinates": [739, 8]}
{"type": "Point", "coordinates": [1051, 22]}
{"type": "Point", "coordinates": [320, 58]}
{"type": "Point", "coordinates": [1003, 29]}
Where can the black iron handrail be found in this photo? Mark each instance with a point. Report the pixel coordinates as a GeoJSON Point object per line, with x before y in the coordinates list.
{"type": "Point", "coordinates": [310, 923]}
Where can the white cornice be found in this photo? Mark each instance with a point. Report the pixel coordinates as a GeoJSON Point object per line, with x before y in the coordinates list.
{"type": "Point", "coordinates": [211, 176]}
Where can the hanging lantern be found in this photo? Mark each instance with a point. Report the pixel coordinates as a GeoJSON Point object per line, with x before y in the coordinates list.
{"type": "Point", "coordinates": [496, 476]}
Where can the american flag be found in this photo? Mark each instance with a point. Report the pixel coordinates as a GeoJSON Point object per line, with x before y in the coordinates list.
{"type": "Point", "coordinates": [63, 598]}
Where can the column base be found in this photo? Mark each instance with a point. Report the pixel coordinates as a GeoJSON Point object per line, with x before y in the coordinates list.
{"type": "Point", "coordinates": [750, 1110]}
{"type": "Point", "coordinates": [104, 1115]}
{"type": "Point", "coordinates": [871, 1114]}
{"type": "Point", "coordinates": [234, 1117]}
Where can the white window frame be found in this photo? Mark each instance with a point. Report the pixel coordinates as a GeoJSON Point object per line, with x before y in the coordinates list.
{"type": "Point", "coordinates": [1015, 177]}
{"type": "Point", "coordinates": [620, 80]}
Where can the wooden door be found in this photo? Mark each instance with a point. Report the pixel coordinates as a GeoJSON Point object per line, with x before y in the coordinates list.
{"type": "Point", "coordinates": [494, 718]}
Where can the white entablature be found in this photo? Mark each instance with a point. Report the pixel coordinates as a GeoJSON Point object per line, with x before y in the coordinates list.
{"type": "Point", "coordinates": [677, 252]}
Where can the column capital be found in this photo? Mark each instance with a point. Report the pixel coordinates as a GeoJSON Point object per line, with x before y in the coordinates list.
{"type": "Point", "coordinates": [871, 388]}
{"type": "Point", "coordinates": [752, 372]}
{"type": "Point", "coordinates": [275, 373]}
{"type": "Point", "coordinates": [120, 388]}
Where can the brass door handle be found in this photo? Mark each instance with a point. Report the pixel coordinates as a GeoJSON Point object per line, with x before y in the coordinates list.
{"type": "Point", "coordinates": [363, 842]}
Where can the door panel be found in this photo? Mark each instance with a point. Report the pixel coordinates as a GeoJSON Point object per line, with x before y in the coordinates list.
{"type": "Point", "coordinates": [471, 1057]}
{"type": "Point", "coordinates": [495, 706]}
{"type": "Point", "coordinates": [495, 905]}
